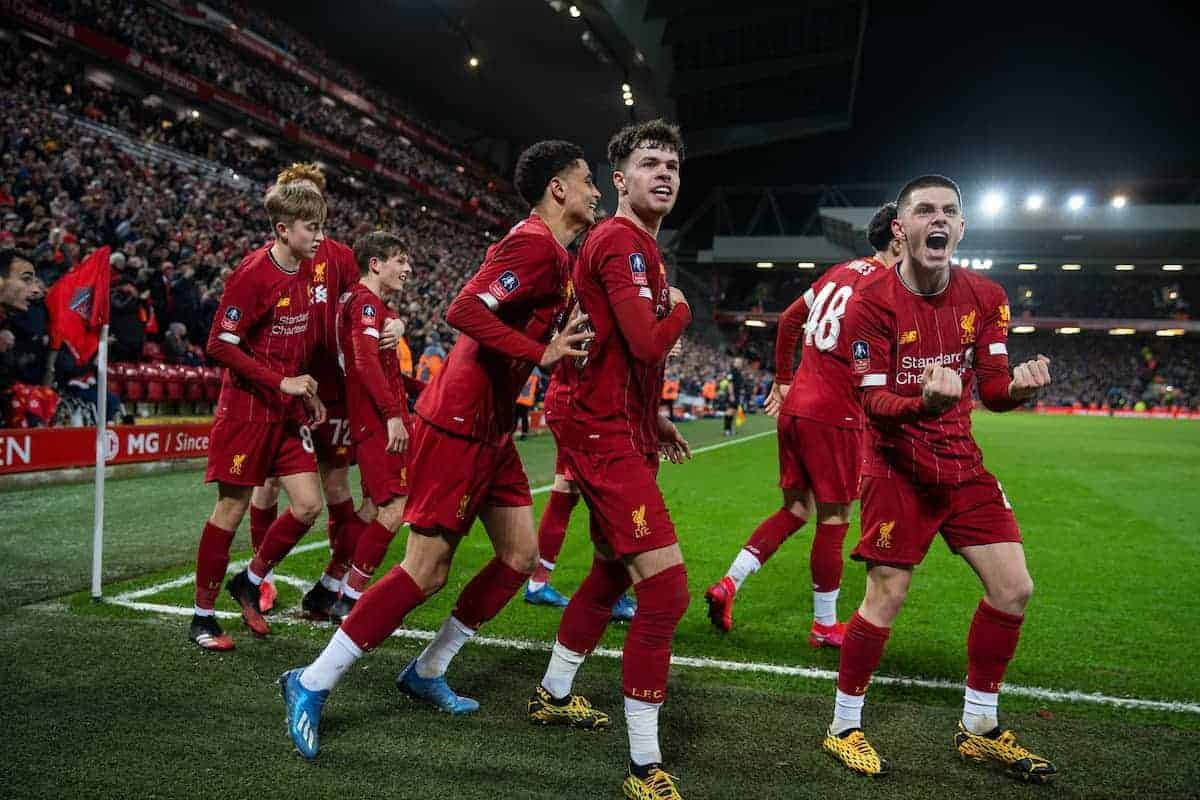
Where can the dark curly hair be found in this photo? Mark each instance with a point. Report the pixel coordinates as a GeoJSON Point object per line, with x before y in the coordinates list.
{"type": "Point", "coordinates": [879, 231]}
{"type": "Point", "coordinates": [655, 133]}
{"type": "Point", "coordinates": [541, 162]}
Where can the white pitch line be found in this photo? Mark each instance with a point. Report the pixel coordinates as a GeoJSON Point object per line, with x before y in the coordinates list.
{"type": "Point", "coordinates": [1037, 693]}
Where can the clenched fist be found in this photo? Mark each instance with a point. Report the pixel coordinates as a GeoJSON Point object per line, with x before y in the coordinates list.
{"type": "Point", "coordinates": [941, 388]}
{"type": "Point", "coordinates": [1029, 378]}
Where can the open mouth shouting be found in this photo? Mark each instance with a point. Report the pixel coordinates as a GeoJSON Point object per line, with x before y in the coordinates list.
{"type": "Point", "coordinates": [936, 244]}
{"type": "Point", "coordinates": [662, 192]}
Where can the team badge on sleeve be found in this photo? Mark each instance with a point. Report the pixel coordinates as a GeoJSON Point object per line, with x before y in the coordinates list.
{"type": "Point", "coordinates": [861, 355]}
{"type": "Point", "coordinates": [233, 316]}
{"type": "Point", "coordinates": [637, 268]}
{"type": "Point", "coordinates": [368, 315]}
{"type": "Point", "coordinates": [505, 285]}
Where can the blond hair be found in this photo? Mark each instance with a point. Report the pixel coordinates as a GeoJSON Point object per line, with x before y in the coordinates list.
{"type": "Point", "coordinates": [308, 171]}
{"type": "Point", "coordinates": [288, 202]}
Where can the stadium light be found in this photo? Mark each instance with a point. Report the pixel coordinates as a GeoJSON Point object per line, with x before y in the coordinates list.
{"type": "Point", "coordinates": [1169, 332]}
{"type": "Point", "coordinates": [1066, 331]}
{"type": "Point", "coordinates": [1034, 202]}
{"type": "Point", "coordinates": [1119, 201]}
{"type": "Point", "coordinates": [1124, 267]}
{"type": "Point", "coordinates": [1121, 331]}
{"type": "Point", "coordinates": [1024, 329]}
{"type": "Point", "coordinates": [1027, 267]}
{"type": "Point", "coordinates": [1072, 267]}
{"type": "Point", "coordinates": [195, 114]}
{"type": "Point", "coordinates": [806, 265]}
{"type": "Point", "coordinates": [755, 323]}
{"type": "Point", "coordinates": [628, 101]}
{"type": "Point", "coordinates": [765, 264]}
{"type": "Point", "coordinates": [1172, 267]}
{"type": "Point", "coordinates": [1077, 202]}
{"type": "Point", "coordinates": [993, 203]}
{"type": "Point", "coordinates": [574, 12]}
{"type": "Point", "coordinates": [625, 87]}
{"type": "Point", "coordinates": [473, 62]}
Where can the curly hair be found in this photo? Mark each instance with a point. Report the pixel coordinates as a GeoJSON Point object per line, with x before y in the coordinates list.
{"type": "Point", "coordinates": [654, 133]}
{"type": "Point", "coordinates": [299, 171]}
{"type": "Point", "coordinates": [879, 231]}
{"type": "Point", "coordinates": [539, 163]}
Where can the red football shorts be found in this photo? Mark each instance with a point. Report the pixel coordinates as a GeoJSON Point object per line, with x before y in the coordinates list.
{"type": "Point", "coordinates": [621, 490]}
{"type": "Point", "coordinates": [820, 457]}
{"type": "Point", "coordinates": [332, 439]}
{"type": "Point", "coordinates": [384, 474]}
{"type": "Point", "coordinates": [561, 467]}
{"type": "Point", "coordinates": [245, 453]}
{"type": "Point", "coordinates": [900, 518]}
{"type": "Point", "coordinates": [451, 477]}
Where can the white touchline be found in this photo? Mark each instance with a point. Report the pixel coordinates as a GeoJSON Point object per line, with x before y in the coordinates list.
{"type": "Point", "coordinates": [1053, 695]}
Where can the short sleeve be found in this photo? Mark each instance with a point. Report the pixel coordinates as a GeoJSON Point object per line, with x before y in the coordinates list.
{"type": "Point", "coordinates": [521, 268]}
{"type": "Point", "coordinates": [870, 342]}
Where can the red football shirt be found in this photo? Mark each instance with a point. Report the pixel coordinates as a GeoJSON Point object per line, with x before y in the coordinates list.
{"type": "Point", "coordinates": [260, 333]}
{"type": "Point", "coordinates": [823, 387]}
{"type": "Point", "coordinates": [374, 386]}
{"type": "Point", "coordinates": [610, 401]}
{"type": "Point", "coordinates": [524, 285]}
{"type": "Point", "coordinates": [330, 273]}
{"type": "Point", "coordinates": [894, 334]}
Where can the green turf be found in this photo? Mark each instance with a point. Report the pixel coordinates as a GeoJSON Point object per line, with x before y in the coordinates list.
{"type": "Point", "coordinates": [1107, 507]}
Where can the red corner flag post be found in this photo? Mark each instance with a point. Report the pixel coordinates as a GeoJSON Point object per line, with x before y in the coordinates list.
{"type": "Point", "coordinates": [78, 306]}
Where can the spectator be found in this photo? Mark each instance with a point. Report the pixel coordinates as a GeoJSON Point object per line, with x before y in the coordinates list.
{"type": "Point", "coordinates": [127, 324]}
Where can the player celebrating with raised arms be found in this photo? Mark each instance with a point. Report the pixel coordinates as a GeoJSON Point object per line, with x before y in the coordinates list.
{"type": "Point", "coordinates": [604, 416]}
{"type": "Point", "coordinates": [260, 336]}
{"type": "Point", "coordinates": [462, 460]}
{"type": "Point", "coordinates": [921, 337]}
{"type": "Point", "coordinates": [820, 434]}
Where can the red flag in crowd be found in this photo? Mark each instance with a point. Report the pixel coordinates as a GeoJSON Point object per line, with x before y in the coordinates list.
{"type": "Point", "coordinates": [78, 306]}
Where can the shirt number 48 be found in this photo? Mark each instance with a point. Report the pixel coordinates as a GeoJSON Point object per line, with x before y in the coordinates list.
{"type": "Point", "coordinates": [824, 323]}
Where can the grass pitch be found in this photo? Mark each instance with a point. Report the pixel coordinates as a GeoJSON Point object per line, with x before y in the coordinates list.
{"type": "Point", "coordinates": [105, 701]}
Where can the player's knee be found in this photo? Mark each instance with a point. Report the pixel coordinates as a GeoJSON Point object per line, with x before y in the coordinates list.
{"type": "Point", "coordinates": [521, 559]}
{"type": "Point", "coordinates": [306, 511]}
{"type": "Point", "coordinates": [1015, 594]}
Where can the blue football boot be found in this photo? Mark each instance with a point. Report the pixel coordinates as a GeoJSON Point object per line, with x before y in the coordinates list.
{"type": "Point", "coordinates": [303, 709]}
{"type": "Point", "coordinates": [434, 691]}
{"type": "Point", "coordinates": [545, 596]}
{"type": "Point", "coordinates": [624, 609]}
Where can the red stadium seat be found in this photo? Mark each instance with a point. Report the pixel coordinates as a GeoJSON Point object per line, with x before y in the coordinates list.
{"type": "Point", "coordinates": [193, 384]}
{"type": "Point", "coordinates": [115, 383]}
{"type": "Point", "coordinates": [175, 376]}
{"type": "Point", "coordinates": [135, 386]}
{"type": "Point", "coordinates": [156, 385]}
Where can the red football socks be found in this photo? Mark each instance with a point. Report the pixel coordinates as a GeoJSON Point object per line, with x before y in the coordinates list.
{"type": "Point", "coordinates": [861, 652]}
{"type": "Point", "coordinates": [368, 555]}
{"type": "Point", "coordinates": [487, 593]}
{"type": "Point", "coordinates": [588, 613]}
{"type": "Point", "coordinates": [552, 531]}
{"type": "Point", "coordinates": [281, 538]}
{"type": "Point", "coordinates": [991, 643]}
{"type": "Point", "coordinates": [345, 528]}
{"type": "Point", "coordinates": [825, 559]}
{"type": "Point", "coordinates": [662, 600]}
{"type": "Point", "coordinates": [382, 609]}
{"type": "Point", "coordinates": [772, 533]}
{"type": "Point", "coordinates": [260, 522]}
{"type": "Point", "coordinates": [212, 558]}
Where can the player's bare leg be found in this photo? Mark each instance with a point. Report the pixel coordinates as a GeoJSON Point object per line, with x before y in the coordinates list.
{"type": "Point", "coordinates": [762, 544]}
{"type": "Point", "coordinates": [304, 493]}
{"type": "Point", "coordinates": [991, 643]}
{"type": "Point", "coordinates": [825, 563]}
{"type": "Point", "coordinates": [552, 531]}
{"type": "Point", "coordinates": [380, 610]}
{"type": "Point", "coordinates": [866, 634]}
{"type": "Point", "coordinates": [515, 546]}
{"type": "Point", "coordinates": [212, 559]}
{"type": "Point", "coordinates": [264, 508]}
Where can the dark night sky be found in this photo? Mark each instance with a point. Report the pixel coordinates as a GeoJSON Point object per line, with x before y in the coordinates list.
{"type": "Point", "coordinates": [1005, 91]}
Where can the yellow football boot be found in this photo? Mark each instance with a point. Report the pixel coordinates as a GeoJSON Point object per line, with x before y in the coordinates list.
{"type": "Point", "coordinates": [577, 712]}
{"type": "Point", "coordinates": [1000, 747]}
{"type": "Point", "coordinates": [853, 750]}
{"type": "Point", "coordinates": [657, 785]}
